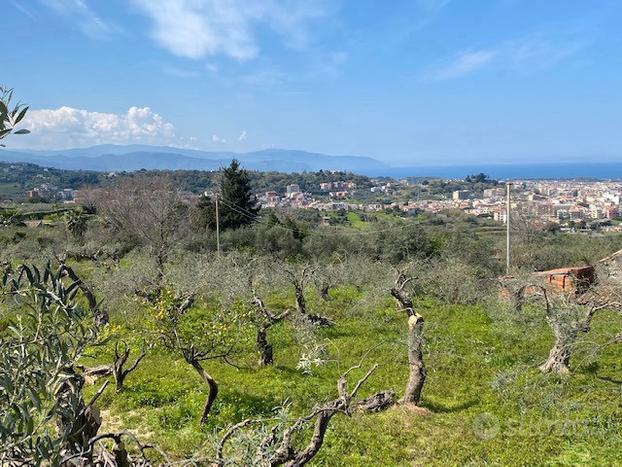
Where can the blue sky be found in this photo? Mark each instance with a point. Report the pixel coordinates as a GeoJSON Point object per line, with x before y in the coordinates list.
{"type": "Point", "coordinates": [408, 82]}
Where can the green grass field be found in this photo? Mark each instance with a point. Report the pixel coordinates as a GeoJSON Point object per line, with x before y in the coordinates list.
{"type": "Point", "coordinates": [487, 402]}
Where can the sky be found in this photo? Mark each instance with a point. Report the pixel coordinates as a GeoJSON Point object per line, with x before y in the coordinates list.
{"type": "Point", "coordinates": [421, 82]}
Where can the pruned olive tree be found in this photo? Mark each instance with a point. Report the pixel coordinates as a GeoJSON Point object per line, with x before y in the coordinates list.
{"type": "Point", "coordinates": [569, 318]}
{"type": "Point", "coordinates": [403, 288]}
{"type": "Point", "coordinates": [282, 441]}
{"type": "Point", "coordinates": [198, 334]}
{"type": "Point", "coordinates": [263, 319]}
{"type": "Point", "coordinates": [120, 367]}
{"type": "Point", "coordinates": [568, 313]}
{"type": "Point", "coordinates": [238, 280]}
{"type": "Point", "coordinates": [299, 278]}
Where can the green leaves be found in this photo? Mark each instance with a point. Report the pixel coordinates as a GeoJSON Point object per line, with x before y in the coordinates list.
{"type": "Point", "coordinates": [47, 334]}
{"type": "Point", "coordinates": [20, 116]}
{"type": "Point", "coordinates": [10, 118]}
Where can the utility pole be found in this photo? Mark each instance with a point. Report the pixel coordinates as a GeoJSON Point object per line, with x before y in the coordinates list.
{"type": "Point", "coordinates": [217, 227]}
{"type": "Point", "coordinates": [508, 186]}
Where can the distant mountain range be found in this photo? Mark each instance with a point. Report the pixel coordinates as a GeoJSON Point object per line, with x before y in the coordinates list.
{"type": "Point", "coordinates": [116, 158]}
{"type": "Point", "coordinates": [109, 158]}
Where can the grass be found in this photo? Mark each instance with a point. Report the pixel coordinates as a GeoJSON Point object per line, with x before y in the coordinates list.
{"type": "Point", "coordinates": [356, 221]}
{"type": "Point", "coordinates": [10, 189]}
{"type": "Point", "coordinates": [488, 403]}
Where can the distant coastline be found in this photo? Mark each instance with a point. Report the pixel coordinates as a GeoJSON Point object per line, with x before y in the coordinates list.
{"type": "Point", "coordinates": [118, 158]}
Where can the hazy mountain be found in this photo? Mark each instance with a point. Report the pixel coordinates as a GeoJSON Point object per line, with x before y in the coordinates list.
{"type": "Point", "coordinates": [136, 157]}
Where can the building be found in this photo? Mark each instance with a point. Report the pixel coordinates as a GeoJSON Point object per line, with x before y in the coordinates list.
{"type": "Point", "coordinates": [291, 189]}
{"type": "Point", "coordinates": [576, 280]}
{"type": "Point", "coordinates": [460, 195]}
{"type": "Point", "coordinates": [494, 192]}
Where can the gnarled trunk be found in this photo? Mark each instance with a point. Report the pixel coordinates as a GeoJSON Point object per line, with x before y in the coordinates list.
{"type": "Point", "coordinates": [416, 367]}
{"type": "Point", "coordinates": [301, 304]}
{"type": "Point", "coordinates": [324, 295]}
{"type": "Point", "coordinates": [558, 360]}
{"type": "Point", "coordinates": [213, 389]}
{"type": "Point", "coordinates": [301, 307]}
{"type": "Point", "coordinates": [559, 356]}
{"type": "Point", "coordinates": [263, 347]}
{"type": "Point", "coordinates": [316, 442]}
{"type": "Point", "coordinates": [118, 370]}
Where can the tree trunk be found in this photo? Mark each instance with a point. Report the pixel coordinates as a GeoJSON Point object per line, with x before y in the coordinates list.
{"type": "Point", "coordinates": [264, 347]}
{"type": "Point", "coordinates": [213, 389]}
{"type": "Point", "coordinates": [316, 441]}
{"type": "Point", "coordinates": [416, 370]}
{"type": "Point", "coordinates": [559, 358]}
{"type": "Point", "coordinates": [119, 451]}
{"type": "Point", "coordinates": [324, 295]}
{"type": "Point", "coordinates": [301, 303]}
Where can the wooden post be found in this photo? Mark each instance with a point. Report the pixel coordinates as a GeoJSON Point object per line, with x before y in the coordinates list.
{"type": "Point", "coordinates": [217, 228]}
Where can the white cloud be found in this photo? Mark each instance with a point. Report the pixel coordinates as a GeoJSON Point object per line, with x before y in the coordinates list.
{"type": "Point", "coordinates": [528, 54]}
{"type": "Point", "coordinates": [218, 139]}
{"type": "Point", "coordinates": [243, 136]}
{"type": "Point", "coordinates": [199, 28]}
{"type": "Point", "coordinates": [463, 64]}
{"type": "Point", "coordinates": [68, 127]}
{"type": "Point", "coordinates": [77, 10]}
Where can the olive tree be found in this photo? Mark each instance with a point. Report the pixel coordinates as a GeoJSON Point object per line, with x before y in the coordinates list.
{"type": "Point", "coordinates": [299, 277]}
{"type": "Point", "coordinates": [198, 334]}
{"type": "Point", "coordinates": [44, 335]}
{"type": "Point", "coordinates": [151, 211]}
{"type": "Point", "coordinates": [278, 442]}
{"type": "Point", "coordinates": [569, 313]}
{"type": "Point", "coordinates": [401, 292]}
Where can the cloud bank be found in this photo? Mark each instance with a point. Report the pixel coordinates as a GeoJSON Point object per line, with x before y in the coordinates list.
{"type": "Point", "coordinates": [67, 127]}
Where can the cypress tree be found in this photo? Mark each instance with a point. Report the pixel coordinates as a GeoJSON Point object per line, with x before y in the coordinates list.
{"type": "Point", "coordinates": [237, 206]}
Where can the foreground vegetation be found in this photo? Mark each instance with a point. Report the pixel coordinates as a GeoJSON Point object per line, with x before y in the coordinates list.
{"type": "Point", "coordinates": [132, 334]}
{"type": "Point", "coordinates": [488, 402]}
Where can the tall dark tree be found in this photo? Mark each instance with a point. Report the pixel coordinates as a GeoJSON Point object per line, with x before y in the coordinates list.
{"type": "Point", "coordinates": [239, 206]}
